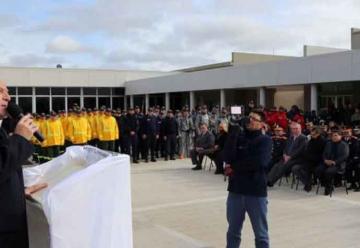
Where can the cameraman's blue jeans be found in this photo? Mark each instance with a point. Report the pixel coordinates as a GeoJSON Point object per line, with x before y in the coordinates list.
{"type": "Point", "coordinates": [256, 207]}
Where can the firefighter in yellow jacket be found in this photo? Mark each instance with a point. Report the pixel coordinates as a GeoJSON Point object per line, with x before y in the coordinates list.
{"type": "Point", "coordinates": [54, 135]}
{"type": "Point", "coordinates": [93, 120]}
{"type": "Point", "coordinates": [65, 120]}
{"type": "Point", "coordinates": [79, 130]}
{"type": "Point", "coordinates": [108, 131]}
{"type": "Point", "coordinates": [42, 129]}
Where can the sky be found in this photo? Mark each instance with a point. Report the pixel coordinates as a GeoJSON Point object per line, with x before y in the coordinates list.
{"type": "Point", "coordinates": [166, 35]}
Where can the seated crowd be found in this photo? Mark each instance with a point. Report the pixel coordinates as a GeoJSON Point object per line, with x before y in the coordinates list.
{"type": "Point", "coordinates": [311, 147]}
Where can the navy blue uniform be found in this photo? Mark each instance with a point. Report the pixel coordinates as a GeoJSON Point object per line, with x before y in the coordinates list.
{"type": "Point", "coordinates": [148, 131]}
{"type": "Point", "coordinates": [170, 131]}
{"type": "Point", "coordinates": [131, 140]}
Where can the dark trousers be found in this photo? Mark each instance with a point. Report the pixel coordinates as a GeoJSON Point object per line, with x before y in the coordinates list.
{"type": "Point", "coordinates": [170, 145]}
{"type": "Point", "coordinates": [53, 151]}
{"type": "Point", "coordinates": [218, 158]}
{"type": "Point", "coordinates": [256, 208]}
{"type": "Point", "coordinates": [326, 174]}
{"type": "Point", "coordinates": [131, 143]}
{"type": "Point", "coordinates": [352, 172]}
{"type": "Point", "coordinates": [304, 171]}
{"type": "Point", "coordinates": [107, 145]}
{"type": "Point", "coordinates": [196, 157]}
{"type": "Point", "coordinates": [17, 239]}
{"type": "Point", "coordinates": [94, 142]}
{"type": "Point", "coordinates": [117, 146]}
{"type": "Point", "coordinates": [280, 169]}
{"type": "Point", "coordinates": [149, 143]}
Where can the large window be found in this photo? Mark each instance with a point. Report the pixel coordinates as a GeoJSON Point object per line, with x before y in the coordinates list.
{"type": "Point", "coordinates": [73, 91]}
{"type": "Point", "coordinates": [90, 102]}
{"type": "Point", "coordinates": [24, 91]}
{"type": "Point", "coordinates": [58, 103]}
{"type": "Point", "coordinates": [104, 101]}
{"type": "Point", "coordinates": [58, 91]}
{"type": "Point", "coordinates": [42, 91]}
{"type": "Point", "coordinates": [26, 104]}
{"type": "Point", "coordinates": [73, 101]}
{"type": "Point", "coordinates": [12, 90]}
{"type": "Point", "coordinates": [89, 91]}
{"type": "Point", "coordinates": [118, 102]}
{"type": "Point", "coordinates": [104, 91]}
{"type": "Point", "coordinates": [42, 105]}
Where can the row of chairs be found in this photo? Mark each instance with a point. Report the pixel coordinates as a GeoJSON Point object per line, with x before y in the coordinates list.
{"type": "Point", "coordinates": [295, 181]}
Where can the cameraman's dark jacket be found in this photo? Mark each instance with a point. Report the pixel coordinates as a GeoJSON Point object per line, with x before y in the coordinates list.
{"type": "Point", "coordinates": [14, 151]}
{"type": "Point", "coordinates": [248, 153]}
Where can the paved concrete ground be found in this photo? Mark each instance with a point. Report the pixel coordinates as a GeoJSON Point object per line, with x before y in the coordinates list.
{"type": "Point", "coordinates": [174, 206]}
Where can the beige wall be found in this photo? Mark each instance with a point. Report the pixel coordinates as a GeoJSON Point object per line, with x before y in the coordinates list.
{"type": "Point", "coordinates": [253, 58]}
{"type": "Point", "coordinates": [318, 50]}
{"type": "Point", "coordinates": [355, 38]}
{"type": "Point", "coordinates": [288, 96]}
{"type": "Point", "coordinates": [72, 77]}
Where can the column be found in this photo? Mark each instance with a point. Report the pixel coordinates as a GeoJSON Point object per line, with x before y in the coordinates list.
{"type": "Point", "coordinates": [82, 97]}
{"type": "Point", "coordinates": [132, 101]}
{"type": "Point", "coordinates": [167, 100]}
{"type": "Point", "coordinates": [125, 102]}
{"type": "Point", "coordinates": [261, 96]}
{"type": "Point", "coordinates": [33, 100]}
{"type": "Point", "coordinates": [146, 103]}
{"type": "Point", "coordinates": [313, 97]}
{"type": "Point", "coordinates": [222, 99]}
{"type": "Point", "coordinates": [192, 100]}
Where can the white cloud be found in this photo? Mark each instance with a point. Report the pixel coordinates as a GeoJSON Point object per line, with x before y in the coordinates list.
{"type": "Point", "coordinates": [172, 34]}
{"type": "Point", "coordinates": [65, 44]}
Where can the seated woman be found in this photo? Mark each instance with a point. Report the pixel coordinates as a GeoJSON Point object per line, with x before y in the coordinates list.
{"type": "Point", "coordinates": [218, 155]}
{"type": "Point", "coordinates": [334, 160]}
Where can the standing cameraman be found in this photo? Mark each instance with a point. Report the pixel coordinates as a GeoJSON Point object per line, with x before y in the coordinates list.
{"type": "Point", "coordinates": [246, 158]}
{"type": "Point", "coordinates": [14, 151]}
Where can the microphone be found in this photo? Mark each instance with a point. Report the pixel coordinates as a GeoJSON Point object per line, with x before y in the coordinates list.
{"type": "Point", "coordinates": [16, 113]}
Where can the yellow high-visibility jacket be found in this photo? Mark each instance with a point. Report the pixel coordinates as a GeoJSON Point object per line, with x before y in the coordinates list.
{"type": "Point", "coordinates": [66, 122]}
{"type": "Point", "coordinates": [79, 130]}
{"type": "Point", "coordinates": [93, 120]}
{"type": "Point", "coordinates": [54, 133]}
{"type": "Point", "coordinates": [108, 130]}
{"type": "Point", "coordinates": [42, 130]}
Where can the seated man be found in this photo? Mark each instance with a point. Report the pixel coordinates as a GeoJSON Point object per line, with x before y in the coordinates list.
{"type": "Point", "coordinates": [293, 151]}
{"type": "Point", "coordinates": [353, 161]}
{"type": "Point", "coordinates": [279, 142]}
{"type": "Point", "coordinates": [204, 144]}
{"type": "Point", "coordinates": [334, 160]}
{"type": "Point", "coordinates": [312, 158]}
{"type": "Point", "coordinates": [218, 155]}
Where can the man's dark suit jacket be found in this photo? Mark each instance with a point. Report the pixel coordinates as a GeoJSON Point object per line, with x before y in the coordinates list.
{"type": "Point", "coordinates": [205, 141]}
{"type": "Point", "coordinates": [295, 149]}
{"type": "Point", "coordinates": [14, 151]}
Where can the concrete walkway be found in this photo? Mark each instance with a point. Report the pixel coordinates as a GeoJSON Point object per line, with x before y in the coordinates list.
{"type": "Point", "coordinates": [174, 206]}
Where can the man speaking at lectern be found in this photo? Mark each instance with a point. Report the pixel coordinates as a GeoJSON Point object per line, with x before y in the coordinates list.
{"type": "Point", "coordinates": [15, 149]}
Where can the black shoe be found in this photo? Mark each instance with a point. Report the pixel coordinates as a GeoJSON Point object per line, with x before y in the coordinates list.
{"type": "Point", "coordinates": [307, 188]}
{"type": "Point", "coordinates": [135, 162]}
{"type": "Point", "coordinates": [146, 160]}
{"type": "Point", "coordinates": [328, 191]}
{"type": "Point", "coordinates": [217, 172]}
{"type": "Point", "coordinates": [270, 184]}
{"type": "Point", "coordinates": [153, 160]}
{"type": "Point", "coordinates": [197, 168]}
{"type": "Point", "coordinates": [172, 158]}
{"type": "Point", "coordinates": [352, 186]}
{"type": "Point", "coordinates": [357, 189]}
{"type": "Point", "coordinates": [166, 159]}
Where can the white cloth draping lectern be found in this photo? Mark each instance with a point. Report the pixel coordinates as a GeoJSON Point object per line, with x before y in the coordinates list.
{"type": "Point", "coordinates": [87, 203]}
